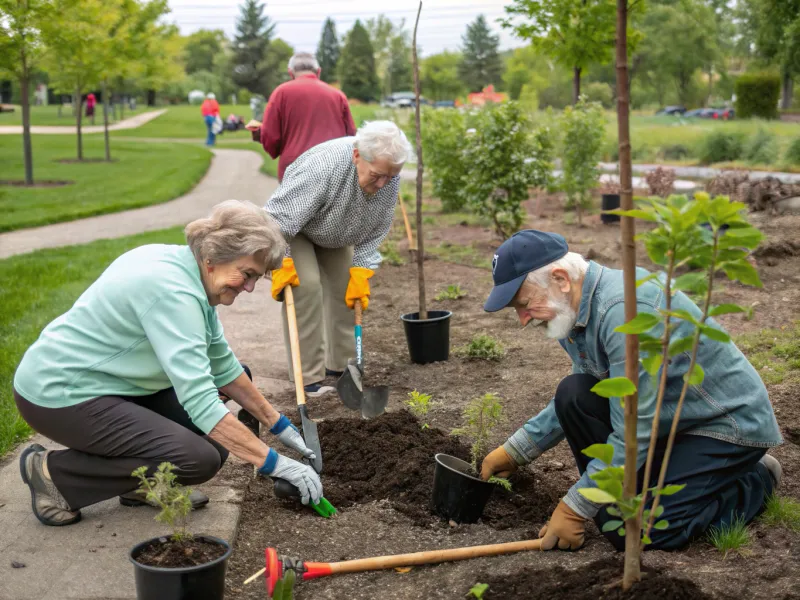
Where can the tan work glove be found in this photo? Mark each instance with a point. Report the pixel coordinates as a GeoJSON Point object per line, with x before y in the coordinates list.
{"type": "Point", "coordinates": [565, 529]}
{"type": "Point", "coordinates": [499, 463]}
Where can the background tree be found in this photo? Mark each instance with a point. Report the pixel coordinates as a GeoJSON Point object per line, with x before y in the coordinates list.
{"type": "Point", "coordinates": [277, 63]}
{"type": "Point", "coordinates": [328, 51]}
{"type": "Point", "coordinates": [381, 32]}
{"type": "Point", "coordinates": [481, 64]}
{"type": "Point", "coordinates": [357, 66]}
{"type": "Point", "coordinates": [254, 31]}
{"type": "Point", "coordinates": [159, 63]}
{"type": "Point", "coordinates": [439, 76]}
{"type": "Point", "coordinates": [575, 33]}
{"type": "Point", "coordinates": [201, 50]}
{"type": "Point", "coordinates": [398, 73]}
{"type": "Point", "coordinates": [20, 50]}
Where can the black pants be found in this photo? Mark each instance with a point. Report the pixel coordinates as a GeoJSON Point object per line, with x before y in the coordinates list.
{"type": "Point", "coordinates": [110, 436]}
{"type": "Point", "coordinates": [724, 481]}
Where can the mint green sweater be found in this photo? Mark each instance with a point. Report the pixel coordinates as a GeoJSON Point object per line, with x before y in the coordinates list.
{"type": "Point", "coordinates": [145, 325]}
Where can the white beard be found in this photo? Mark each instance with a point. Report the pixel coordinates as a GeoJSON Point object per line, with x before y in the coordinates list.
{"type": "Point", "coordinates": [560, 326]}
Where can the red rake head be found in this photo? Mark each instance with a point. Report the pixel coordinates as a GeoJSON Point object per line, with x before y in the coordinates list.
{"type": "Point", "coordinates": [274, 572]}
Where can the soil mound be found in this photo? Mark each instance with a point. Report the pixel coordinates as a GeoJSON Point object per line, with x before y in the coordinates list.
{"type": "Point", "coordinates": [590, 582]}
{"type": "Point", "coordinates": [391, 457]}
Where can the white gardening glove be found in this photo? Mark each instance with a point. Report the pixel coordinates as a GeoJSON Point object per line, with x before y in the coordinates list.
{"type": "Point", "coordinates": [301, 476]}
{"type": "Point", "coordinates": [291, 438]}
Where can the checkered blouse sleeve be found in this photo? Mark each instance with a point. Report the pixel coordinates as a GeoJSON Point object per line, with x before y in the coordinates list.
{"type": "Point", "coordinates": [366, 254]}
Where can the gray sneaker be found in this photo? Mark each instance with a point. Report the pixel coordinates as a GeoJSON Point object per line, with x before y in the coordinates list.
{"type": "Point", "coordinates": [774, 467]}
{"type": "Point", "coordinates": [47, 503]}
{"type": "Point", "coordinates": [198, 499]}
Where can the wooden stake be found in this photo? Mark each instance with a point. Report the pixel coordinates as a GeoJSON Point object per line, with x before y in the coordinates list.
{"type": "Point", "coordinates": [412, 247]}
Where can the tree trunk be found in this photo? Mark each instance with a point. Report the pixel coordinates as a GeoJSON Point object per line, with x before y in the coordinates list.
{"type": "Point", "coordinates": [786, 90]}
{"type": "Point", "coordinates": [710, 85]}
{"type": "Point", "coordinates": [60, 105]}
{"type": "Point", "coordinates": [105, 120]}
{"type": "Point", "coordinates": [79, 105]}
{"type": "Point", "coordinates": [151, 97]}
{"type": "Point", "coordinates": [423, 311]}
{"type": "Point", "coordinates": [632, 571]}
{"type": "Point", "coordinates": [576, 84]}
{"type": "Point", "coordinates": [27, 150]}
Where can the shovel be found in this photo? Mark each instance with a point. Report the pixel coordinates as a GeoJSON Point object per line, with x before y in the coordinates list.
{"type": "Point", "coordinates": [310, 434]}
{"type": "Point", "coordinates": [371, 401]}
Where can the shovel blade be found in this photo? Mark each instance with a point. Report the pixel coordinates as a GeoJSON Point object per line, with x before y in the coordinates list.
{"type": "Point", "coordinates": [348, 390]}
{"type": "Point", "coordinates": [374, 401]}
{"type": "Point", "coordinates": [311, 438]}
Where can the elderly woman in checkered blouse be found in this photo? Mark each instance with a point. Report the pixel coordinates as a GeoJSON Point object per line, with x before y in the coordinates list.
{"type": "Point", "coordinates": [335, 206]}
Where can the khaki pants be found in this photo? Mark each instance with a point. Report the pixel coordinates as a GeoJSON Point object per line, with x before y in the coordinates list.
{"type": "Point", "coordinates": [324, 323]}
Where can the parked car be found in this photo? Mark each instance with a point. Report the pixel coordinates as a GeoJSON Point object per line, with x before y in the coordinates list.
{"type": "Point", "coordinates": [445, 104]}
{"type": "Point", "coordinates": [723, 114]}
{"type": "Point", "coordinates": [699, 113]}
{"type": "Point", "coordinates": [401, 100]}
{"type": "Point", "coordinates": [672, 110]}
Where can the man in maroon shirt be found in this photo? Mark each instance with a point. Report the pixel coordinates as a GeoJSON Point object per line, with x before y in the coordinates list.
{"type": "Point", "coordinates": [302, 113]}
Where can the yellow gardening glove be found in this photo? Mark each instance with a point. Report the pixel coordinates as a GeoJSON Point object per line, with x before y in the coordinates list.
{"type": "Point", "coordinates": [565, 530]}
{"type": "Point", "coordinates": [498, 462]}
{"type": "Point", "coordinates": [358, 288]}
{"type": "Point", "coordinates": [286, 275]}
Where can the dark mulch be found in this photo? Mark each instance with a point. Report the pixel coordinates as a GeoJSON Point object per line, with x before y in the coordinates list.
{"type": "Point", "coordinates": [595, 581]}
{"type": "Point", "coordinates": [168, 554]}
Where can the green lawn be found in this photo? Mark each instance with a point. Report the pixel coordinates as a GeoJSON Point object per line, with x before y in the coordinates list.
{"type": "Point", "coordinates": [186, 122]}
{"type": "Point", "coordinates": [45, 285]}
{"type": "Point", "coordinates": [144, 174]}
{"type": "Point", "coordinates": [48, 115]}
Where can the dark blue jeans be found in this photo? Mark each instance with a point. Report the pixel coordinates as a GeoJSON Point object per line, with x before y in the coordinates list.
{"type": "Point", "coordinates": [724, 481]}
{"type": "Point", "coordinates": [211, 137]}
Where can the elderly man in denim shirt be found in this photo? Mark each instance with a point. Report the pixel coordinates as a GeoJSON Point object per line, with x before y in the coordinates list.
{"type": "Point", "coordinates": [726, 425]}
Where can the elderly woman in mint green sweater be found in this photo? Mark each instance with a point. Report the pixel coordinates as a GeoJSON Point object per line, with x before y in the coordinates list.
{"type": "Point", "coordinates": [132, 374]}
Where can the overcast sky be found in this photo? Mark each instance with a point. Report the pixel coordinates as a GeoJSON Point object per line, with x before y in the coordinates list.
{"type": "Point", "coordinates": [299, 22]}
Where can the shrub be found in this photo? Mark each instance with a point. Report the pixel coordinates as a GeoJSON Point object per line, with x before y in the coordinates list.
{"type": "Point", "coordinates": [661, 181]}
{"type": "Point", "coordinates": [451, 292]}
{"type": "Point", "coordinates": [721, 146]}
{"type": "Point", "coordinates": [600, 93]}
{"type": "Point", "coordinates": [583, 135]}
{"type": "Point", "coordinates": [504, 157]}
{"type": "Point", "coordinates": [483, 347]}
{"type": "Point", "coordinates": [418, 404]}
{"type": "Point", "coordinates": [793, 152]}
{"type": "Point", "coordinates": [762, 148]}
{"type": "Point", "coordinates": [390, 254]}
{"type": "Point", "coordinates": [172, 498]}
{"type": "Point", "coordinates": [442, 146]}
{"type": "Point", "coordinates": [757, 95]}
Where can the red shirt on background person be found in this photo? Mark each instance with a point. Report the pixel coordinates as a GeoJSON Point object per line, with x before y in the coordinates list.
{"type": "Point", "coordinates": [210, 106]}
{"type": "Point", "coordinates": [303, 113]}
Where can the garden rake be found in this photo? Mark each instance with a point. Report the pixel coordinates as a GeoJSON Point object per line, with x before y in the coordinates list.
{"type": "Point", "coordinates": [277, 566]}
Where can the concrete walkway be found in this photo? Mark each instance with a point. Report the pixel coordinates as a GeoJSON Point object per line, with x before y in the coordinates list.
{"type": "Point", "coordinates": [233, 174]}
{"type": "Point", "coordinates": [89, 560]}
{"type": "Point", "coordinates": [131, 123]}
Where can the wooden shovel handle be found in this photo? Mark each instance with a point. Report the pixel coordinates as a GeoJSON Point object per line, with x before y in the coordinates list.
{"type": "Point", "coordinates": [432, 556]}
{"type": "Point", "coordinates": [294, 342]}
{"type": "Point", "coordinates": [357, 309]}
{"type": "Point", "coordinates": [411, 244]}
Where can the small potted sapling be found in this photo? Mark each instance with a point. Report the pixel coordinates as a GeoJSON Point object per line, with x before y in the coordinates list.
{"type": "Point", "coordinates": [459, 493]}
{"type": "Point", "coordinates": [180, 565]}
{"type": "Point", "coordinates": [427, 331]}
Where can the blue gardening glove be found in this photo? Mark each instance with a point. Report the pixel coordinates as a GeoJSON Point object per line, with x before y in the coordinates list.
{"type": "Point", "coordinates": [301, 476]}
{"type": "Point", "coordinates": [291, 438]}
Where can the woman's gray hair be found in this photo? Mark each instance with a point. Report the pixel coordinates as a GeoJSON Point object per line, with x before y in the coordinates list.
{"type": "Point", "coordinates": [383, 139]}
{"type": "Point", "coordinates": [303, 62]}
{"type": "Point", "coordinates": [572, 262]}
{"type": "Point", "coordinates": [236, 228]}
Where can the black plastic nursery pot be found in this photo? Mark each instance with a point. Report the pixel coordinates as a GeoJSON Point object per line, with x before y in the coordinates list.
{"type": "Point", "coordinates": [201, 582]}
{"type": "Point", "coordinates": [457, 495]}
{"type": "Point", "coordinates": [609, 202]}
{"type": "Point", "coordinates": [428, 339]}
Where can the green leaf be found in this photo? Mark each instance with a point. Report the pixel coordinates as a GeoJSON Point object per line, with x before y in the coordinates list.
{"type": "Point", "coordinates": [690, 282]}
{"type": "Point", "coordinates": [646, 539]}
{"type": "Point", "coordinates": [621, 532]}
{"type": "Point", "coordinates": [614, 512]}
{"type": "Point", "coordinates": [681, 345]}
{"type": "Point", "coordinates": [604, 452]}
{"type": "Point", "coordinates": [662, 524]}
{"type": "Point", "coordinates": [643, 280]}
{"type": "Point", "coordinates": [697, 375]}
{"type": "Point", "coordinates": [639, 324]}
{"type": "Point", "coordinates": [615, 387]}
{"type": "Point", "coordinates": [648, 343]}
{"type": "Point", "coordinates": [659, 511]}
{"type": "Point", "coordinates": [743, 272]}
{"type": "Point", "coordinates": [611, 525]}
{"type": "Point", "coordinates": [635, 213]}
{"type": "Point", "coordinates": [725, 309]}
{"type": "Point", "coordinates": [652, 363]}
{"type": "Point", "coordinates": [669, 490]}
{"type": "Point", "coordinates": [715, 334]}
{"type": "Point", "coordinates": [478, 590]}
{"type": "Point", "coordinates": [683, 315]}
{"type": "Point", "coordinates": [597, 495]}
{"type": "Point", "coordinates": [747, 237]}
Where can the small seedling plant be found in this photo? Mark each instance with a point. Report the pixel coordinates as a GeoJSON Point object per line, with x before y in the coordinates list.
{"type": "Point", "coordinates": [478, 590]}
{"type": "Point", "coordinates": [451, 292]}
{"type": "Point", "coordinates": [481, 416]}
{"type": "Point", "coordinates": [709, 236]}
{"type": "Point", "coordinates": [170, 496]}
{"type": "Point", "coordinates": [419, 404]}
{"type": "Point", "coordinates": [483, 347]}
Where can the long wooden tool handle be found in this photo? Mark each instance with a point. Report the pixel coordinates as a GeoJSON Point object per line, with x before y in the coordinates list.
{"type": "Point", "coordinates": [294, 342]}
{"type": "Point", "coordinates": [433, 556]}
{"type": "Point", "coordinates": [411, 244]}
{"type": "Point", "coordinates": [358, 310]}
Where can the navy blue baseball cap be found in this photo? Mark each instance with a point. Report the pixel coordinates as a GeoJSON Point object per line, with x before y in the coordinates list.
{"type": "Point", "coordinates": [523, 252]}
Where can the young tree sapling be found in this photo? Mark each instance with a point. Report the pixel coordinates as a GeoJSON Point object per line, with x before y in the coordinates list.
{"type": "Point", "coordinates": [172, 497]}
{"type": "Point", "coordinates": [481, 416]}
